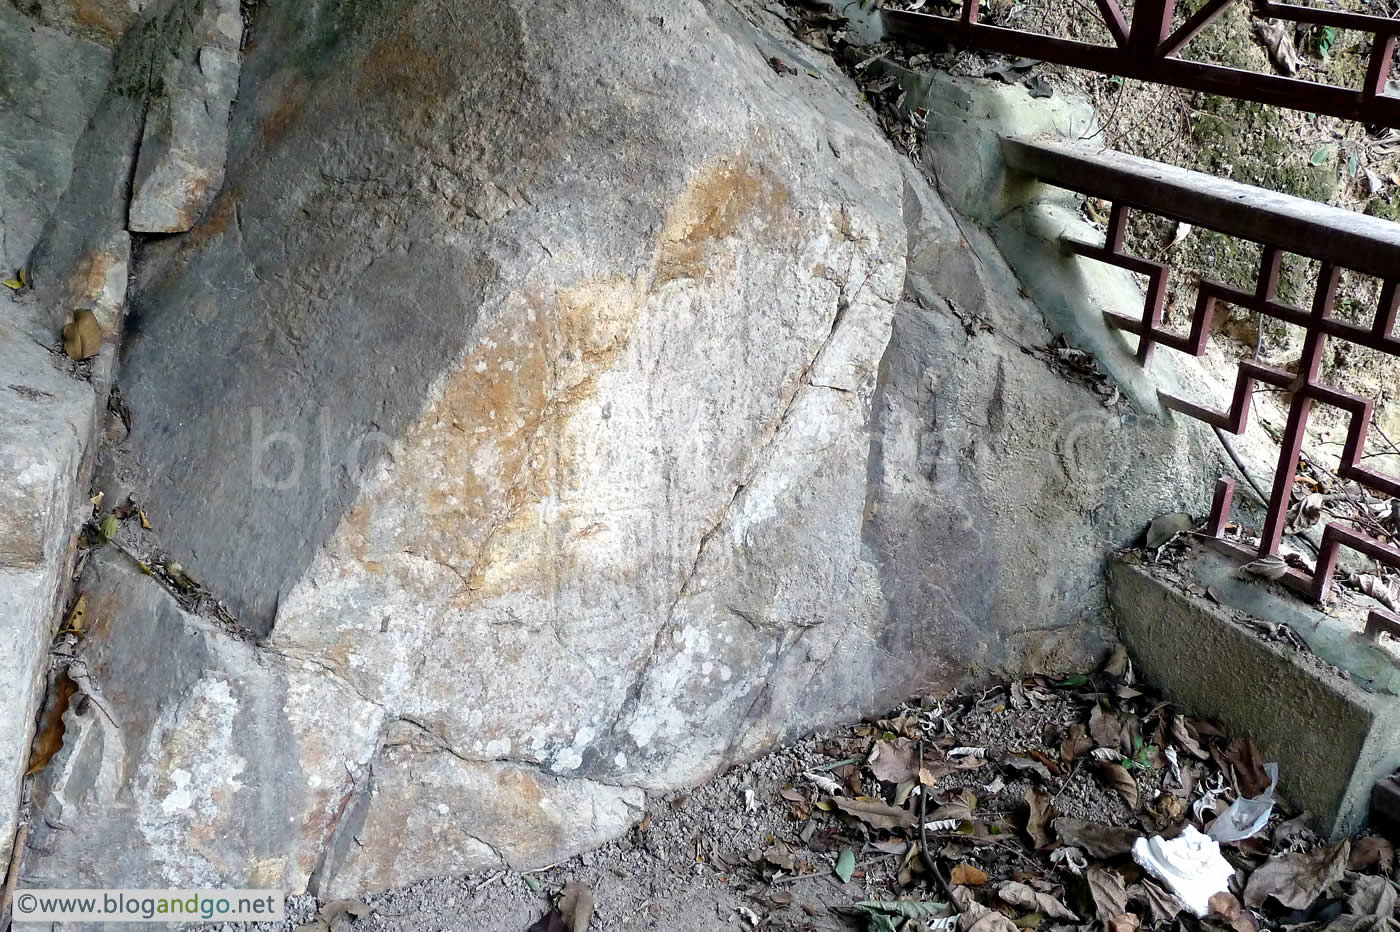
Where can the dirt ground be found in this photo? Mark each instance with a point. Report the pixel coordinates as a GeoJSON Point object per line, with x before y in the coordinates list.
{"type": "Point", "coordinates": [1038, 785]}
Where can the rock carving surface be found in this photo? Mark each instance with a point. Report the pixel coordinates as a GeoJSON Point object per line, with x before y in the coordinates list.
{"type": "Point", "coordinates": [567, 405]}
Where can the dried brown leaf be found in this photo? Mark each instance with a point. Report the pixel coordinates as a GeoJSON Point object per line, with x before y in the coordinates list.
{"type": "Point", "coordinates": [977, 918]}
{"type": "Point", "coordinates": [1297, 880]}
{"type": "Point", "coordinates": [1117, 663]}
{"type": "Point", "coordinates": [1185, 736]}
{"type": "Point", "coordinates": [1279, 43]}
{"type": "Point", "coordinates": [1099, 840]}
{"type": "Point", "coordinates": [1226, 910]}
{"type": "Point", "coordinates": [1224, 906]}
{"type": "Point", "coordinates": [777, 854]}
{"type": "Point", "coordinates": [1372, 895]}
{"type": "Point", "coordinates": [894, 761]}
{"type": "Point", "coordinates": [82, 335]}
{"type": "Point", "coordinates": [1248, 766]}
{"type": "Point", "coordinates": [1372, 852]}
{"type": "Point", "coordinates": [1116, 777]}
{"type": "Point", "coordinates": [1042, 810]}
{"type": "Point", "coordinates": [1270, 567]}
{"type": "Point", "coordinates": [1077, 742]}
{"type": "Point", "coordinates": [48, 738]}
{"type": "Point", "coordinates": [1162, 906]}
{"type": "Point", "coordinates": [1106, 728]}
{"type": "Point", "coordinates": [1245, 922]}
{"type": "Point", "coordinates": [936, 769]}
{"type": "Point", "coordinates": [1124, 922]}
{"type": "Point", "coordinates": [1019, 894]}
{"type": "Point", "coordinates": [967, 874]}
{"type": "Point", "coordinates": [1108, 892]}
{"type": "Point", "coordinates": [1386, 593]}
{"type": "Point", "coordinates": [77, 617]}
{"type": "Point", "coordinates": [958, 810]}
{"type": "Point", "coordinates": [875, 813]}
{"type": "Point", "coordinates": [1026, 765]}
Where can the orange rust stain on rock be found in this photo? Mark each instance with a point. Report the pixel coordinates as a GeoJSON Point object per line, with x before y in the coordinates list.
{"type": "Point", "coordinates": [497, 442]}
{"type": "Point", "coordinates": [712, 207]}
{"type": "Point", "coordinates": [276, 124]}
{"type": "Point", "coordinates": [400, 69]}
{"type": "Point", "coordinates": [521, 791]}
{"type": "Point", "coordinates": [197, 193]}
{"type": "Point", "coordinates": [216, 221]}
{"type": "Point", "coordinates": [94, 15]}
{"type": "Point", "coordinates": [83, 287]}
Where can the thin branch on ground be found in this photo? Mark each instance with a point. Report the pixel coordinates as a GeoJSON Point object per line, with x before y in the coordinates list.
{"type": "Point", "coordinates": [924, 856]}
{"type": "Point", "coordinates": [7, 898]}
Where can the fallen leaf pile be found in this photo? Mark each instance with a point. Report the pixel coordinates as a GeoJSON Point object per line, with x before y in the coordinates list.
{"type": "Point", "coordinates": [1028, 799]}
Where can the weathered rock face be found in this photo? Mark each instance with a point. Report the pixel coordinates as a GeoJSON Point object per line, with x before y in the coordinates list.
{"type": "Point", "coordinates": [101, 21]}
{"type": "Point", "coordinates": [49, 84]}
{"type": "Point", "coordinates": [567, 404]}
{"type": "Point", "coordinates": [74, 112]}
{"type": "Point", "coordinates": [185, 134]}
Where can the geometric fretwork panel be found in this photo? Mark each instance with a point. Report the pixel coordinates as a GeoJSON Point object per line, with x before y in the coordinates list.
{"type": "Point", "coordinates": [1304, 387]}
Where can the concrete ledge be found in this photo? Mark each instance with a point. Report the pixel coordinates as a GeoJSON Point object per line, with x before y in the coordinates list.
{"type": "Point", "coordinates": [1332, 736]}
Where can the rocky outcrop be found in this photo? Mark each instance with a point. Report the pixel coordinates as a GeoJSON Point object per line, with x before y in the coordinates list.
{"type": "Point", "coordinates": [74, 111]}
{"type": "Point", "coordinates": [185, 134]}
{"type": "Point", "coordinates": [50, 83]}
{"type": "Point", "coordinates": [103, 22]}
{"type": "Point", "coordinates": [567, 404]}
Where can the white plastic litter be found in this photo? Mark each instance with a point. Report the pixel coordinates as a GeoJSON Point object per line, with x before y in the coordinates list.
{"type": "Point", "coordinates": [1246, 816]}
{"type": "Point", "coordinates": [1189, 865]}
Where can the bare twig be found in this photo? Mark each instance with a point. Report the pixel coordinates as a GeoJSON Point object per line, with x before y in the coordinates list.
{"type": "Point", "coordinates": [1064, 786]}
{"type": "Point", "coordinates": [488, 881]}
{"type": "Point", "coordinates": [989, 841]}
{"type": "Point", "coordinates": [1263, 499]}
{"type": "Point", "coordinates": [924, 856]}
{"type": "Point", "coordinates": [12, 878]}
{"type": "Point", "coordinates": [1375, 422]}
{"type": "Point", "coordinates": [1235, 458]}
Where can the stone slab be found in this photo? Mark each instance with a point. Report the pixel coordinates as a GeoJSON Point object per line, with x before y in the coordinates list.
{"type": "Point", "coordinates": [1334, 736]}
{"type": "Point", "coordinates": [46, 423]}
{"type": "Point", "coordinates": [49, 84]}
{"type": "Point", "coordinates": [185, 137]}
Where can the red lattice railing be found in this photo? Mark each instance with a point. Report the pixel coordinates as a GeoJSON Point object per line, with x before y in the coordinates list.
{"type": "Point", "coordinates": [1336, 238]}
{"type": "Point", "coordinates": [1147, 50]}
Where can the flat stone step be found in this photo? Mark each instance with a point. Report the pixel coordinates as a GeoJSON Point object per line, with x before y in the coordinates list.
{"type": "Point", "coordinates": [1329, 715]}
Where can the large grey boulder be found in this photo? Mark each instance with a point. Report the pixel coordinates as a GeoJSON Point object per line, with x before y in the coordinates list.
{"type": "Point", "coordinates": [47, 419]}
{"type": "Point", "coordinates": [567, 404]}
